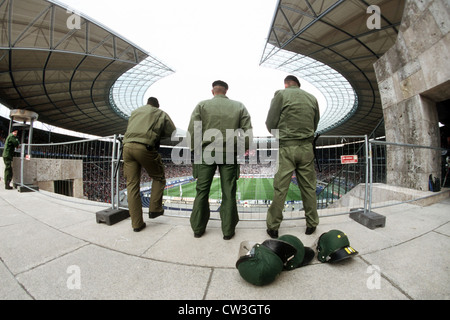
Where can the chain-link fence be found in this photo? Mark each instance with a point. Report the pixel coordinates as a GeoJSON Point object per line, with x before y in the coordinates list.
{"type": "Point", "coordinates": [92, 170]}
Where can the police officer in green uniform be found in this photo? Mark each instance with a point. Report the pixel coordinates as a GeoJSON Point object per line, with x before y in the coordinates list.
{"type": "Point", "coordinates": [215, 116]}
{"type": "Point", "coordinates": [295, 113]}
{"type": "Point", "coordinates": [11, 144]}
{"type": "Point", "coordinates": [146, 127]}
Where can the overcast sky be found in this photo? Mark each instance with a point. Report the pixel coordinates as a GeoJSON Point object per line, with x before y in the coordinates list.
{"type": "Point", "coordinates": [202, 41]}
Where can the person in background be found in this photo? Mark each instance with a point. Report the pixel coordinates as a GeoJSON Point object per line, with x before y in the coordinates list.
{"type": "Point", "coordinates": [11, 144]}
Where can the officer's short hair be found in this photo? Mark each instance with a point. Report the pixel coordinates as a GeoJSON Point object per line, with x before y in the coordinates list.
{"type": "Point", "coordinates": [220, 83]}
{"type": "Point", "coordinates": [292, 78]}
{"type": "Point", "coordinates": [153, 101]}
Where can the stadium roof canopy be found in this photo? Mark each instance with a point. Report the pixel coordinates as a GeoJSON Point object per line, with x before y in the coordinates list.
{"type": "Point", "coordinates": [333, 44]}
{"type": "Point", "coordinates": [73, 72]}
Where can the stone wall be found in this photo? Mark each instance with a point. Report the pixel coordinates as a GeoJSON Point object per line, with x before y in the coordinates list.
{"type": "Point", "coordinates": [412, 76]}
{"type": "Point", "coordinates": [43, 173]}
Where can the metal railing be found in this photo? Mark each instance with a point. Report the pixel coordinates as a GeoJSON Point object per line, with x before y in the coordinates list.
{"type": "Point", "coordinates": [378, 172]}
{"type": "Point", "coordinates": [92, 170]}
{"type": "Point", "coordinates": [81, 168]}
{"type": "Point", "coordinates": [338, 176]}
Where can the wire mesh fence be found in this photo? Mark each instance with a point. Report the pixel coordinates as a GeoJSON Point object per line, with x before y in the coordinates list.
{"type": "Point", "coordinates": [92, 170]}
{"type": "Point", "coordinates": [80, 169]}
{"type": "Point", "coordinates": [254, 195]}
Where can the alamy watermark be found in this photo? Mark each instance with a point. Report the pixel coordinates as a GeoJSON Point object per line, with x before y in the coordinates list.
{"type": "Point", "coordinates": [374, 21]}
{"type": "Point", "coordinates": [74, 280]}
{"type": "Point", "coordinates": [74, 21]}
{"type": "Point", "coordinates": [374, 280]}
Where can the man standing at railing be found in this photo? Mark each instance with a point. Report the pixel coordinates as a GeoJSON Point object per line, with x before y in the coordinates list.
{"type": "Point", "coordinates": [295, 113]}
{"type": "Point", "coordinates": [146, 127]}
{"type": "Point", "coordinates": [217, 116]}
{"type": "Point", "coordinates": [11, 144]}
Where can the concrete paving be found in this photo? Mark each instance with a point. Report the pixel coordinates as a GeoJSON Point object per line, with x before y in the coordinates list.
{"type": "Point", "coordinates": [54, 249]}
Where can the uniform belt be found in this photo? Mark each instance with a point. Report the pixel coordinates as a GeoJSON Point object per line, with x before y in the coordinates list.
{"type": "Point", "coordinates": [296, 142]}
{"type": "Point", "coordinates": [149, 148]}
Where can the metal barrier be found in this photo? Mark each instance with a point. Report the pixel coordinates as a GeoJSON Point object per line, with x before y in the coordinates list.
{"type": "Point", "coordinates": [378, 173]}
{"type": "Point", "coordinates": [345, 162]}
{"type": "Point", "coordinates": [344, 165]}
{"type": "Point", "coordinates": [81, 169]}
{"type": "Point", "coordinates": [334, 179]}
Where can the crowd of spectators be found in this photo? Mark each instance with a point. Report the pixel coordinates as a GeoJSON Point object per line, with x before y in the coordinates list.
{"type": "Point", "coordinates": [97, 176]}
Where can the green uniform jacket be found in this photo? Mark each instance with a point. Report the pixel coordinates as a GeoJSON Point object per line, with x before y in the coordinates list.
{"type": "Point", "coordinates": [295, 113]}
{"type": "Point", "coordinates": [11, 144]}
{"type": "Point", "coordinates": [220, 113]}
{"type": "Point", "coordinates": [148, 125]}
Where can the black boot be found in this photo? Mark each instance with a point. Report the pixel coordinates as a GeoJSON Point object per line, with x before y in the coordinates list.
{"type": "Point", "coordinates": [7, 186]}
{"type": "Point", "coordinates": [272, 233]}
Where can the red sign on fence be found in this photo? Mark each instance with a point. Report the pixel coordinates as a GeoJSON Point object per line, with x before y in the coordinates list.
{"type": "Point", "coordinates": [349, 159]}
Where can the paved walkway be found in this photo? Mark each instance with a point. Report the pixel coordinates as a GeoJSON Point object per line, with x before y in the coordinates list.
{"type": "Point", "coordinates": [51, 249]}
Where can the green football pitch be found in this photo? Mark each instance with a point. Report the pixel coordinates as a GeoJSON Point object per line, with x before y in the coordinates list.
{"type": "Point", "coordinates": [247, 189]}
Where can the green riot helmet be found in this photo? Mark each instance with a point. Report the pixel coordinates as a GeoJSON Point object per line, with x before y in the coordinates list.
{"type": "Point", "coordinates": [334, 246]}
{"type": "Point", "coordinates": [303, 256]}
{"type": "Point", "coordinates": [285, 250]}
{"type": "Point", "coordinates": [262, 263]}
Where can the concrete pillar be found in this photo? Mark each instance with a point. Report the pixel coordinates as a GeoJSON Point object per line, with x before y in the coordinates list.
{"type": "Point", "coordinates": [412, 77]}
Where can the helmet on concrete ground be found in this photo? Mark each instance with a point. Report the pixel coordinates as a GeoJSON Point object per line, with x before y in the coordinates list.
{"type": "Point", "coordinates": [263, 262]}
{"type": "Point", "coordinates": [285, 250]}
{"type": "Point", "coordinates": [303, 256]}
{"type": "Point", "coordinates": [334, 246]}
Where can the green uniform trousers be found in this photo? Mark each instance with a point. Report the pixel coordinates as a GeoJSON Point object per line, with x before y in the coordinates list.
{"type": "Point", "coordinates": [8, 171]}
{"type": "Point", "coordinates": [135, 157]}
{"type": "Point", "coordinates": [229, 174]}
{"type": "Point", "coordinates": [301, 160]}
